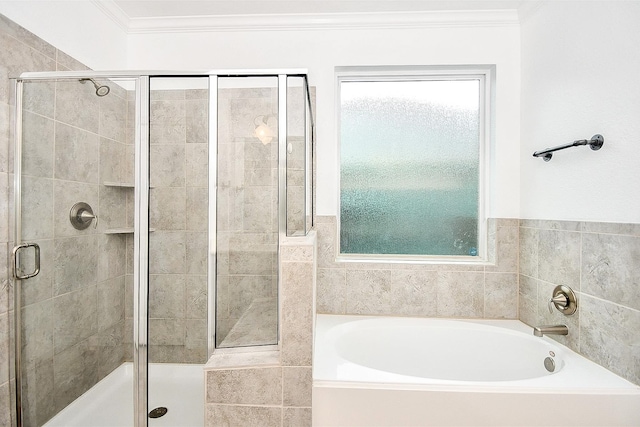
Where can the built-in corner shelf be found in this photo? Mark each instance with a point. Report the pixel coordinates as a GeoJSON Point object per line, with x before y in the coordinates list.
{"type": "Point", "coordinates": [124, 230]}
{"type": "Point", "coordinates": [118, 184]}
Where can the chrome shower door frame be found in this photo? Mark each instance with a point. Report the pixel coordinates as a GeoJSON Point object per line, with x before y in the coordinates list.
{"type": "Point", "coordinates": [141, 230]}
{"type": "Point", "coordinates": [141, 255]}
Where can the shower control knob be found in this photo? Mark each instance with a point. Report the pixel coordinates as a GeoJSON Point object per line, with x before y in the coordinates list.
{"type": "Point", "coordinates": [81, 216]}
{"type": "Point", "coordinates": [564, 299]}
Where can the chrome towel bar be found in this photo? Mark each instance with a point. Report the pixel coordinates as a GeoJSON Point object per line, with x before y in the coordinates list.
{"type": "Point", "coordinates": [595, 143]}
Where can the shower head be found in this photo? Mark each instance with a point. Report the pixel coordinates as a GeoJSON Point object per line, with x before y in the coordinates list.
{"type": "Point", "coordinates": [101, 90]}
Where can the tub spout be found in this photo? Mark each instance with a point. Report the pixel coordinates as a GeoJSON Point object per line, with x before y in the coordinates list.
{"type": "Point", "coordinates": [550, 330]}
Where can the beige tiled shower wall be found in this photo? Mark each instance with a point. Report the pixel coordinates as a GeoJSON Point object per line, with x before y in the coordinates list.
{"type": "Point", "coordinates": [73, 311]}
{"type": "Point", "coordinates": [178, 216]}
{"type": "Point", "coordinates": [435, 290]}
{"type": "Point", "coordinates": [600, 262]}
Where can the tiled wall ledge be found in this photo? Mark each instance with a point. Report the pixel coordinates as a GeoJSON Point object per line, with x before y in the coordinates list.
{"type": "Point", "coordinates": [487, 290]}
{"type": "Point", "coordinates": [271, 388]}
{"type": "Point", "coordinates": [601, 262]}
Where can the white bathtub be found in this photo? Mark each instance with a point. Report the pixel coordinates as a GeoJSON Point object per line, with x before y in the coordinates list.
{"type": "Point", "coordinates": [386, 371]}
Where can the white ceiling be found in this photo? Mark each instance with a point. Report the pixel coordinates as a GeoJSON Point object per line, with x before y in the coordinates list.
{"type": "Point", "coordinates": [134, 9]}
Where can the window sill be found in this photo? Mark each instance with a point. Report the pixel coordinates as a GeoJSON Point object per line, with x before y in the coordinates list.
{"type": "Point", "coordinates": [415, 259]}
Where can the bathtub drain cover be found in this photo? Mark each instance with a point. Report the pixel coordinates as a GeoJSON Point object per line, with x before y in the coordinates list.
{"type": "Point", "coordinates": [549, 364]}
{"type": "Point", "coordinates": [158, 412]}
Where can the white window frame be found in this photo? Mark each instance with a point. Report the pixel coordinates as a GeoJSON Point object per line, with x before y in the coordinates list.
{"type": "Point", "coordinates": [486, 75]}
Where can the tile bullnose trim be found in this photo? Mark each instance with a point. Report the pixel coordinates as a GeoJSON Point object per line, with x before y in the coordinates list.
{"type": "Point", "coordinates": [247, 359]}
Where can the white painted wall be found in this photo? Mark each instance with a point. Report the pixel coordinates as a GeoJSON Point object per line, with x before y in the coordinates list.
{"type": "Point", "coordinates": [581, 76]}
{"type": "Point", "coordinates": [321, 51]}
{"type": "Point", "coordinates": [82, 30]}
{"type": "Point", "coordinates": [78, 28]}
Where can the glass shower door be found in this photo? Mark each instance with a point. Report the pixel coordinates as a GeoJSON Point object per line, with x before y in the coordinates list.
{"type": "Point", "coordinates": [178, 248]}
{"type": "Point", "coordinates": [72, 177]}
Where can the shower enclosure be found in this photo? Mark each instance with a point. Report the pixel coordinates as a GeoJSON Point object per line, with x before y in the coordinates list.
{"type": "Point", "coordinates": [148, 213]}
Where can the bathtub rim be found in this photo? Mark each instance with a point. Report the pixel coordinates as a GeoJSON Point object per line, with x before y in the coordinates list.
{"type": "Point", "coordinates": [575, 366]}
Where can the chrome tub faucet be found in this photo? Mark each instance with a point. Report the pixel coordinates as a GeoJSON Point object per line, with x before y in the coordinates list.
{"type": "Point", "coordinates": [550, 330]}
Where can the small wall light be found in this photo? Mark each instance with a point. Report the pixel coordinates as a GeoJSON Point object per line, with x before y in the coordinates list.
{"type": "Point", "coordinates": [263, 131]}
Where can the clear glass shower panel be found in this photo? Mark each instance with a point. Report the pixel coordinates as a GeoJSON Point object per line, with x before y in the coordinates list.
{"type": "Point", "coordinates": [296, 156]}
{"type": "Point", "coordinates": [310, 158]}
{"type": "Point", "coordinates": [178, 221]}
{"type": "Point", "coordinates": [73, 159]}
{"type": "Point", "coordinates": [247, 212]}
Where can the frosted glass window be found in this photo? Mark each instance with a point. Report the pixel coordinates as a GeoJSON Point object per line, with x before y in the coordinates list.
{"type": "Point", "coordinates": [410, 166]}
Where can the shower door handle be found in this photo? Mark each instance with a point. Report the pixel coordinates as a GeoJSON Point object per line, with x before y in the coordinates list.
{"type": "Point", "coordinates": [17, 273]}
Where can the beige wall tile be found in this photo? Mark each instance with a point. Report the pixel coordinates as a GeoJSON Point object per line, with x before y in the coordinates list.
{"type": "Point", "coordinates": [297, 313]}
{"type": "Point", "coordinates": [167, 332]}
{"type": "Point", "coordinates": [76, 263]}
{"type": "Point", "coordinates": [251, 386]}
{"type": "Point", "coordinates": [296, 382]}
{"type": "Point", "coordinates": [331, 291]}
{"type": "Point", "coordinates": [414, 292]}
{"type": "Point", "coordinates": [112, 252]}
{"type": "Point", "coordinates": [610, 268]}
{"type": "Point", "coordinates": [368, 291]}
{"type": "Point", "coordinates": [296, 417]}
{"type": "Point", "coordinates": [528, 251]}
{"type": "Point", "coordinates": [528, 302]}
{"type": "Point", "coordinates": [196, 297]}
{"type": "Point", "coordinates": [110, 302]}
{"type": "Point", "coordinates": [460, 294]}
{"type": "Point", "coordinates": [197, 208]}
{"type": "Point", "coordinates": [197, 165]}
{"type": "Point", "coordinates": [37, 208]}
{"type": "Point", "coordinates": [167, 118]}
{"type": "Point", "coordinates": [75, 317]}
{"type": "Point", "coordinates": [611, 228]}
{"type": "Point", "coordinates": [39, 400]}
{"type": "Point", "coordinates": [75, 371]}
{"type": "Point", "coordinates": [559, 257]}
{"type": "Point", "coordinates": [167, 252]}
{"type": "Point", "coordinates": [501, 296]}
{"type": "Point", "coordinates": [167, 165]}
{"type": "Point", "coordinates": [167, 296]}
{"type": "Point", "coordinates": [246, 416]}
{"type": "Point", "coordinates": [506, 250]}
{"type": "Point", "coordinates": [167, 208]}
{"type": "Point", "coordinates": [166, 353]}
{"type": "Point", "coordinates": [113, 113]}
{"type": "Point", "coordinates": [37, 145]}
{"type": "Point", "coordinates": [112, 212]}
{"type": "Point", "coordinates": [77, 105]}
{"type": "Point", "coordinates": [5, 404]}
{"type": "Point", "coordinates": [66, 62]}
{"type": "Point", "coordinates": [609, 335]}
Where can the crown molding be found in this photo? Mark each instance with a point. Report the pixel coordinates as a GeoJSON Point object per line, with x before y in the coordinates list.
{"type": "Point", "coordinates": [113, 12]}
{"type": "Point", "coordinates": [529, 9]}
{"type": "Point", "coordinates": [319, 21]}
